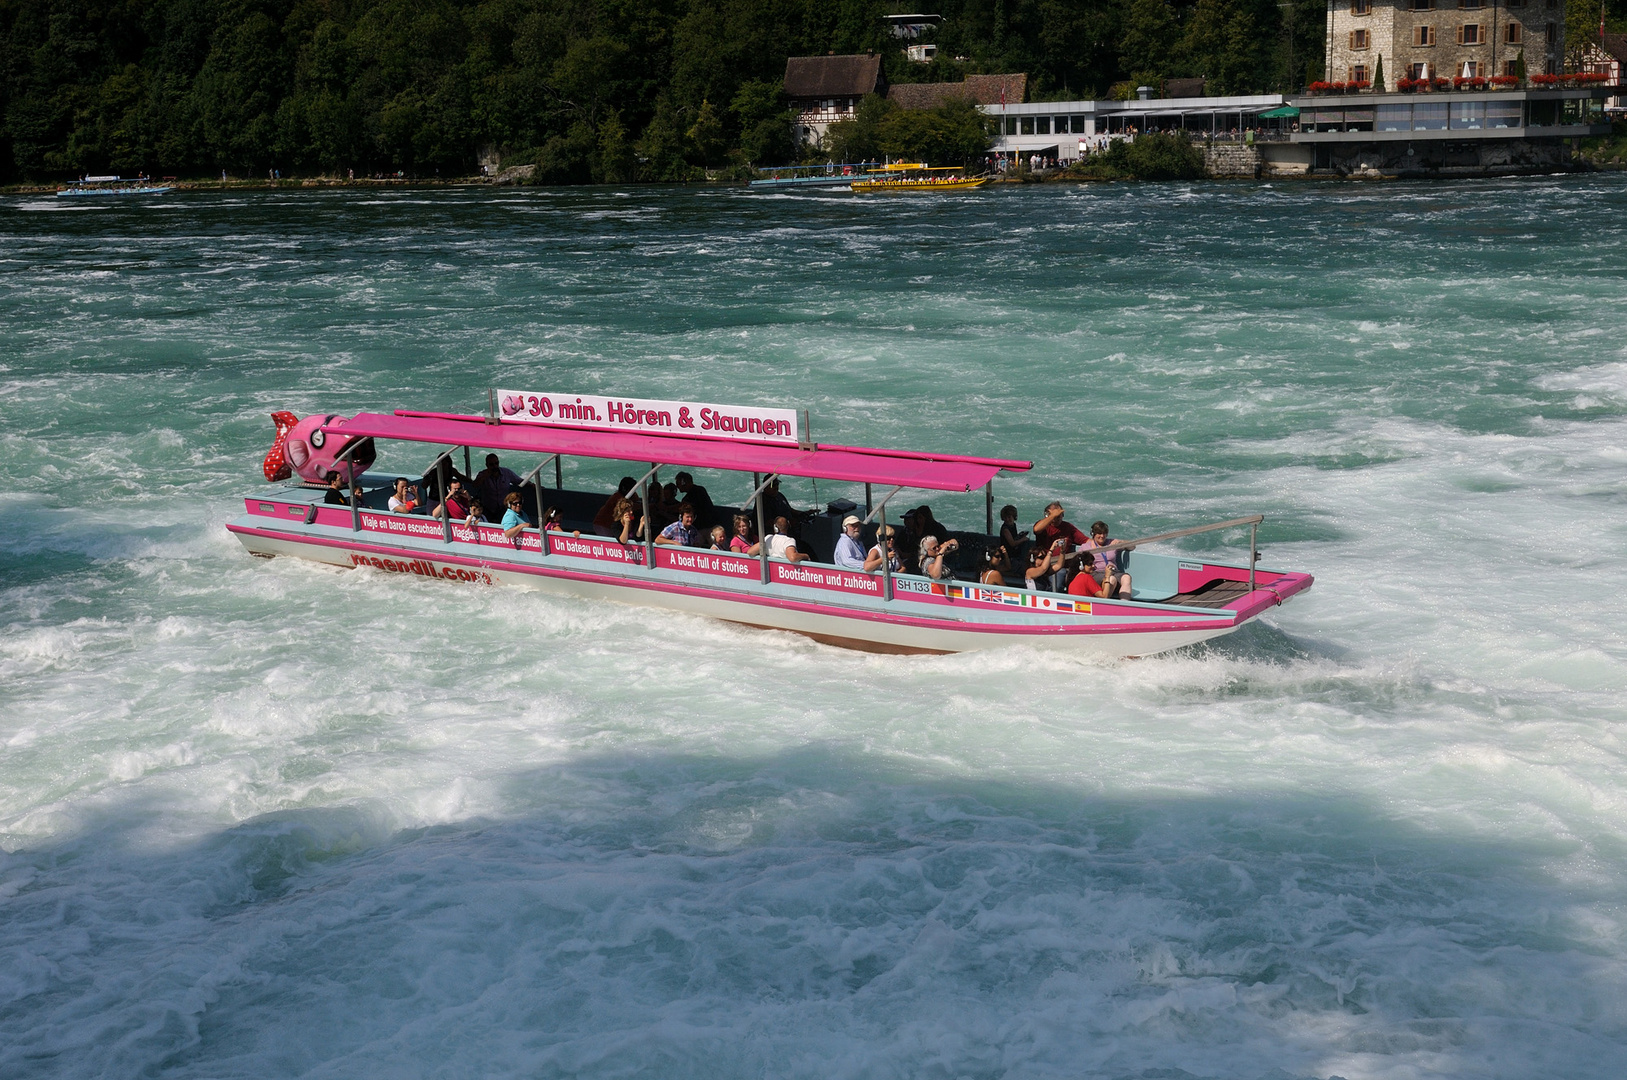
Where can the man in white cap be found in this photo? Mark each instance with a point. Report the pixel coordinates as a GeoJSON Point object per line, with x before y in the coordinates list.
{"type": "Point", "coordinates": [849, 554]}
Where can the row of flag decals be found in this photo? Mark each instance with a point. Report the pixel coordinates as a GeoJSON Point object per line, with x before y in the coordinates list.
{"type": "Point", "coordinates": [1013, 598]}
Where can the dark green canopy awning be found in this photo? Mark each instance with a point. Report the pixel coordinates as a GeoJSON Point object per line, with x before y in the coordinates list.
{"type": "Point", "coordinates": [1283, 113]}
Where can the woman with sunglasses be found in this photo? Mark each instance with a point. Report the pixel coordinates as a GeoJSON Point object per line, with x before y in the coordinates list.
{"type": "Point", "coordinates": [872, 561]}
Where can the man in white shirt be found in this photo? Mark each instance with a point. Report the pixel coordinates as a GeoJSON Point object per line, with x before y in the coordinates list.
{"type": "Point", "coordinates": [849, 553]}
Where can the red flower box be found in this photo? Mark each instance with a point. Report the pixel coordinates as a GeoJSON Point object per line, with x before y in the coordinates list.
{"type": "Point", "coordinates": [1545, 80]}
{"type": "Point", "coordinates": [1504, 80]}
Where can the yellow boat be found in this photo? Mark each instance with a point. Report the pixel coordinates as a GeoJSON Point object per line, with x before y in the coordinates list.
{"type": "Point", "coordinates": [917, 176]}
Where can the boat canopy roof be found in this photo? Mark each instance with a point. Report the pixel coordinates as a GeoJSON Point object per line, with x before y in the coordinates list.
{"type": "Point", "coordinates": [903, 468]}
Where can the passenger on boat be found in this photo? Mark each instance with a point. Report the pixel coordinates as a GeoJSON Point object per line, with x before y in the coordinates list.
{"type": "Point", "coordinates": [741, 541]}
{"type": "Point", "coordinates": [873, 558]}
{"type": "Point", "coordinates": [776, 506]}
{"type": "Point", "coordinates": [405, 499]}
{"type": "Point", "coordinates": [696, 496]}
{"type": "Point", "coordinates": [909, 543]}
{"type": "Point", "coordinates": [849, 552]}
{"type": "Point", "coordinates": [1013, 538]}
{"type": "Point", "coordinates": [934, 556]}
{"type": "Point", "coordinates": [627, 518]}
{"type": "Point", "coordinates": [335, 495]}
{"type": "Point", "coordinates": [781, 545]}
{"type": "Point", "coordinates": [554, 521]}
{"type": "Point", "coordinates": [476, 514]}
{"type": "Point", "coordinates": [456, 503]}
{"type": "Point", "coordinates": [513, 521]}
{"type": "Point", "coordinates": [1044, 563]}
{"type": "Point", "coordinates": [997, 561]}
{"type": "Point", "coordinates": [681, 533]}
{"type": "Point", "coordinates": [720, 538]}
{"type": "Point", "coordinates": [1051, 527]}
{"type": "Point", "coordinates": [606, 520]}
{"type": "Point", "coordinates": [1106, 568]}
{"type": "Point", "coordinates": [493, 483]}
{"type": "Point", "coordinates": [663, 505]}
{"type": "Point", "coordinates": [926, 525]}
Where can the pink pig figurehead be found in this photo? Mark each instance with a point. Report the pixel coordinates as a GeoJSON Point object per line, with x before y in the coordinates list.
{"type": "Point", "coordinates": [314, 454]}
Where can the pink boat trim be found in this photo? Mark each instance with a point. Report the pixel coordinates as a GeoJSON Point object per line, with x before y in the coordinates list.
{"type": "Point", "coordinates": [1026, 630]}
{"type": "Point", "coordinates": [888, 468]}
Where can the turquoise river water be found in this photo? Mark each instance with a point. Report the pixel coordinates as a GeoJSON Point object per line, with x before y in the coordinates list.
{"type": "Point", "coordinates": [267, 819]}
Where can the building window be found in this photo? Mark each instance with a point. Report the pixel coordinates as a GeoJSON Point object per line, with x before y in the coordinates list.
{"type": "Point", "coordinates": [1359, 39]}
{"type": "Point", "coordinates": [1514, 3]}
{"type": "Point", "coordinates": [1512, 34]}
{"type": "Point", "coordinates": [1551, 4]}
{"type": "Point", "coordinates": [1423, 37]}
{"type": "Point", "coordinates": [1042, 125]}
{"type": "Point", "coordinates": [1552, 34]}
{"type": "Point", "coordinates": [1361, 7]}
{"type": "Point", "coordinates": [1421, 5]}
{"type": "Point", "coordinates": [1420, 70]}
{"type": "Point", "coordinates": [1011, 125]}
{"type": "Point", "coordinates": [1471, 68]}
{"type": "Point", "coordinates": [1471, 34]}
{"type": "Point", "coordinates": [1511, 67]}
{"type": "Point", "coordinates": [1358, 73]}
{"type": "Point", "coordinates": [1028, 125]}
{"type": "Point", "coordinates": [1471, 5]}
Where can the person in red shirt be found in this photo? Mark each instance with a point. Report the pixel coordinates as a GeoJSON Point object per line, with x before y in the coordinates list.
{"type": "Point", "coordinates": [1052, 527]}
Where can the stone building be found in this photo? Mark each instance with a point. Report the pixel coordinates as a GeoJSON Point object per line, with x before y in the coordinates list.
{"type": "Point", "coordinates": [1442, 38]}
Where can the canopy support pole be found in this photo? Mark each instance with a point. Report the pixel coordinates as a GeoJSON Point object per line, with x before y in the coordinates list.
{"type": "Point", "coordinates": [988, 508]}
{"type": "Point", "coordinates": [644, 497]}
{"type": "Point", "coordinates": [446, 514]}
{"type": "Point", "coordinates": [867, 506]}
{"type": "Point", "coordinates": [882, 509]}
{"type": "Point", "coordinates": [880, 512]}
{"type": "Point", "coordinates": [559, 473]}
{"type": "Point", "coordinates": [467, 467]}
{"type": "Point", "coordinates": [355, 511]}
{"type": "Point", "coordinates": [439, 468]}
{"type": "Point", "coordinates": [886, 558]}
{"type": "Point", "coordinates": [759, 483]}
{"type": "Point", "coordinates": [1253, 552]}
{"type": "Point", "coordinates": [536, 478]}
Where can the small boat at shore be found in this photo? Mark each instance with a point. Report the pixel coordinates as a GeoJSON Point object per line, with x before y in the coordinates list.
{"type": "Point", "coordinates": [110, 186]}
{"type": "Point", "coordinates": [906, 177]}
{"type": "Point", "coordinates": [1176, 599]}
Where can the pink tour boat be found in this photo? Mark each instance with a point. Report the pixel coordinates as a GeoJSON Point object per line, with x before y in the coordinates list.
{"type": "Point", "coordinates": [1175, 599]}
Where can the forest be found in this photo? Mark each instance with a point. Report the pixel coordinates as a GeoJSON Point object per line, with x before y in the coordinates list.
{"type": "Point", "coordinates": [587, 90]}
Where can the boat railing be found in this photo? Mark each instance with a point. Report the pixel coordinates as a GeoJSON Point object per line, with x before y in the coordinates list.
{"type": "Point", "coordinates": [1252, 521]}
{"type": "Point", "coordinates": [827, 578]}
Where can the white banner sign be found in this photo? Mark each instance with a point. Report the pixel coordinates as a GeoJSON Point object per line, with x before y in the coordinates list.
{"type": "Point", "coordinates": [749, 423]}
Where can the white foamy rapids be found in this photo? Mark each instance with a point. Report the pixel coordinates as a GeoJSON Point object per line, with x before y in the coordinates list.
{"type": "Point", "coordinates": [269, 818]}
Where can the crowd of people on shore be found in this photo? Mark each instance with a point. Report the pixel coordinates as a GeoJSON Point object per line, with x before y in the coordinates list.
{"type": "Point", "coordinates": [1054, 556]}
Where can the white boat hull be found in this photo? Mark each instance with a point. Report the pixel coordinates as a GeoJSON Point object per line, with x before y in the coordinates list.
{"type": "Point", "coordinates": [877, 631]}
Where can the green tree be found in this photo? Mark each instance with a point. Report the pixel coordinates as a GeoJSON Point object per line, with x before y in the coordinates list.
{"type": "Point", "coordinates": [705, 135]}
{"type": "Point", "coordinates": [616, 162]}
{"type": "Point", "coordinates": [1223, 44]}
{"type": "Point", "coordinates": [1149, 39]}
{"type": "Point", "coordinates": [1378, 75]}
{"type": "Point", "coordinates": [663, 146]}
{"type": "Point", "coordinates": [860, 139]}
{"type": "Point", "coordinates": [759, 107]}
{"type": "Point", "coordinates": [953, 133]}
